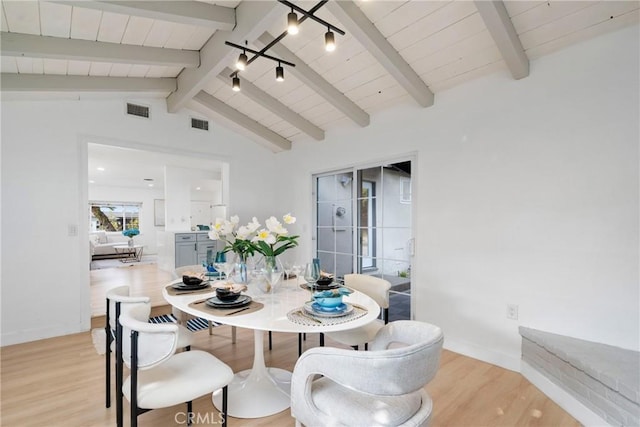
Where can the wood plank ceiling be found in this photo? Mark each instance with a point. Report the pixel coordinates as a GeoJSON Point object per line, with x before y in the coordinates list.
{"type": "Point", "coordinates": [393, 52]}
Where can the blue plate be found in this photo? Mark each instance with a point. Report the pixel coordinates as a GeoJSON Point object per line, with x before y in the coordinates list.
{"type": "Point", "coordinates": [337, 309]}
{"type": "Point", "coordinates": [310, 308]}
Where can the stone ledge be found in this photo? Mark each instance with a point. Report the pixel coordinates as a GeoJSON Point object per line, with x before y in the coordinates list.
{"type": "Point", "coordinates": [604, 378]}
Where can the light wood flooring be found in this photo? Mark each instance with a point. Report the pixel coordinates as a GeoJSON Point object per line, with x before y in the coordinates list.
{"type": "Point", "coordinates": [144, 279]}
{"type": "Point", "coordinates": [60, 381]}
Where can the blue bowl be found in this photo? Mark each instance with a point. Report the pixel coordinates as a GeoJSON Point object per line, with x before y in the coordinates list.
{"type": "Point", "coordinates": [328, 302]}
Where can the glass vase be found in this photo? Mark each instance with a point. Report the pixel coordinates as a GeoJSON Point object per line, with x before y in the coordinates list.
{"type": "Point", "coordinates": [241, 270]}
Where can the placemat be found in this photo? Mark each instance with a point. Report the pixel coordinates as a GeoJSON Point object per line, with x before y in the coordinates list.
{"type": "Point", "coordinates": [236, 311]}
{"type": "Point", "coordinates": [175, 292]}
{"type": "Point", "coordinates": [301, 317]}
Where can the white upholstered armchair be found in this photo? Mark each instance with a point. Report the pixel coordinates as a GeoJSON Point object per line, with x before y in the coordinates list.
{"type": "Point", "coordinates": [380, 387]}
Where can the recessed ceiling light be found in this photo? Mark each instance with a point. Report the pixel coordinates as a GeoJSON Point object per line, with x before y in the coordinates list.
{"type": "Point", "coordinates": [91, 181]}
{"type": "Point", "coordinates": [100, 168]}
{"type": "Point", "coordinates": [150, 185]}
{"type": "Point", "coordinates": [198, 188]}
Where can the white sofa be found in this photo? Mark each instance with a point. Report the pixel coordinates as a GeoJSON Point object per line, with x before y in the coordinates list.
{"type": "Point", "coordinates": [101, 243]}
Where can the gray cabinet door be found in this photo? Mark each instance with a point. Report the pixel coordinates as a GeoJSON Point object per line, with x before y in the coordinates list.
{"type": "Point", "coordinates": [186, 254]}
{"type": "Point", "coordinates": [203, 247]}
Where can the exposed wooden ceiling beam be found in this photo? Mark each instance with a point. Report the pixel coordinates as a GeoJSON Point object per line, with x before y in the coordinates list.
{"type": "Point", "coordinates": [316, 82]}
{"type": "Point", "coordinates": [59, 83]}
{"type": "Point", "coordinates": [253, 19]}
{"type": "Point", "coordinates": [496, 18]}
{"type": "Point", "coordinates": [183, 12]}
{"type": "Point", "coordinates": [276, 107]}
{"type": "Point", "coordinates": [357, 23]}
{"type": "Point", "coordinates": [14, 44]}
{"type": "Point", "coordinates": [276, 142]}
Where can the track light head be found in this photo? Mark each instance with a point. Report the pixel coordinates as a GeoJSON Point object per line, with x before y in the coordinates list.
{"type": "Point", "coordinates": [279, 73]}
{"type": "Point", "coordinates": [292, 23]}
{"type": "Point", "coordinates": [329, 41]}
{"type": "Point", "coordinates": [241, 64]}
{"type": "Point", "coordinates": [236, 84]}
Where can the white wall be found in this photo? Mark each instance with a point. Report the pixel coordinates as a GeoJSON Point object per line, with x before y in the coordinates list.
{"type": "Point", "coordinates": [177, 195]}
{"type": "Point", "coordinates": [527, 193]}
{"type": "Point", "coordinates": [44, 192]}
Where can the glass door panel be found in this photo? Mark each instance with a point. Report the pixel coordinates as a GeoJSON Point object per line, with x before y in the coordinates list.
{"type": "Point", "coordinates": [366, 228]}
{"type": "Point", "coordinates": [334, 223]}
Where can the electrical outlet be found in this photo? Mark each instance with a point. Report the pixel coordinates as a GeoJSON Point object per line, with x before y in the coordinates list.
{"type": "Point", "coordinates": [512, 311]}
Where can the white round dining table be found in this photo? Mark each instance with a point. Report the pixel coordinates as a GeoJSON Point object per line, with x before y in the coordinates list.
{"type": "Point", "coordinates": [262, 391]}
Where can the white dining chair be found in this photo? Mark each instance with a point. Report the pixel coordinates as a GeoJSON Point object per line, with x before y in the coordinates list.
{"type": "Point", "coordinates": [381, 387]}
{"type": "Point", "coordinates": [376, 288]}
{"type": "Point", "coordinates": [160, 378]}
{"type": "Point", "coordinates": [118, 300]}
{"type": "Point", "coordinates": [114, 299]}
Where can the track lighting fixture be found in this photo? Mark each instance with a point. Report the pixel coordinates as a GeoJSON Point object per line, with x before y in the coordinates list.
{"type": "Point", "coordinates": [292, 23]}
{"type": "Point", "coordinates": [329, 41]}
{"type": "Point", "coordinates": [279, 69]}
{"type": "Point", "coordinates": [241, 64]}
{"type": "Point", "coordinates": [292, 28]}
{"type": "Point", "coordinates": [279, 73]}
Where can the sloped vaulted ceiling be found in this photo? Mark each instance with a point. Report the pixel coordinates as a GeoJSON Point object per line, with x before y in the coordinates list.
{"type": "Point", "coordinates": [393, 52]}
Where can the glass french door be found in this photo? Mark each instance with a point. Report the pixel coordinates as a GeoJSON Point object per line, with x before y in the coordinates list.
{"type": "Point", "coordinates": [363, 224]}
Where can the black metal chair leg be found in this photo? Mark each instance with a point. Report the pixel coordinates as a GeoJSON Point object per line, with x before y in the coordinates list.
{"type": "Point", "coordinates": [224, 406]}
{"type": "Point", "coordinates": [108, 367]}
{"type": "Point", "coordinates": [366, 346]}
{"type": "Point", "coordinates": [108, 340]}
{"type": "Point", "coordinates": [189, 412]}
{"type": "Point", "coordinates": [270, 341]}
{"type": "Point", "coordinates": [299, 345]}
{"type": "Point", "coordinates": [119, 370]}
{"type": "Point", "coordinates": [133, 406]}
{"type": "Point", "coordinates": [355, 347]}
{"type": "Point", "coordinates": [321, 339]}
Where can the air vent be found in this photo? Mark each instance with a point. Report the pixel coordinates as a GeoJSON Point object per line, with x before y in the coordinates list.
{"type": "Point", "coordinates": [199, 124]}
{"type": "Point", "coordinates": [138, 110]}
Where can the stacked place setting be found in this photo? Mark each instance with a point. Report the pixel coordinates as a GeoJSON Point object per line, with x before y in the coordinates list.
{"type": "Point", "coordinates": [326, 295]}
{"type": "Point", "coordinates": [190, 282]}
{"type": "Point", "coordinates": [328, 303]}
{"type": "Point", "coordinates": [229, 295]}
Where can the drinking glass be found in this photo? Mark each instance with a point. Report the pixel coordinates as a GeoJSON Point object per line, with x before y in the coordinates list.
{"type": "Point", "coordinates": [287, 266]}
{"type": "Point", "coordinates": [222, 264]}
{"type": "Point", "coordinates": [311, 275]}
{"type": "Point", "coordinates": [296, 269]}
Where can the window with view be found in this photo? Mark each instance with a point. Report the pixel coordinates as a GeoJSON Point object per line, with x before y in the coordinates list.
{"type": "Point", "coordinates": [113, 216]}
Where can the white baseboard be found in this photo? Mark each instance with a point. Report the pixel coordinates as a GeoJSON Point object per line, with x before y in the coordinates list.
{"type": "Point", "coordinates": [482, 353]}
{"type": "Point", "coordinates": [573, 406]}
{"type": "Point", "coordinates": [20, 337]}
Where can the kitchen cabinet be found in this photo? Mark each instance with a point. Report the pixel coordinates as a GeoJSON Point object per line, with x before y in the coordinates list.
{"type": "Point", "coordinates": [191, 248]}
